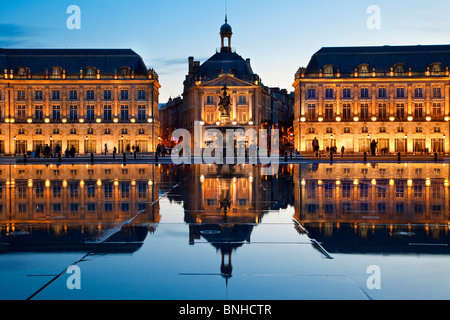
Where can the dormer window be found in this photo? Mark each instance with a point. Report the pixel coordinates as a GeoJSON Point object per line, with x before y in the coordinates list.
{"type": "Point", "coordinates": [22, 71]}
{"type": "Point", "coordinates": [364, 69]}
{"type": "Point", "coordinates": [90, 72]}
{"type": "Point", "coordinates": [328, 70]}
{"type": "Point", "coordinates": [125, 71]}
{"type": "Point", "coordinates": [435, 68]}
{"type": "Point", "coordinates": [399, 68]}
{"type": "Point", "coordinates": [56, 71]}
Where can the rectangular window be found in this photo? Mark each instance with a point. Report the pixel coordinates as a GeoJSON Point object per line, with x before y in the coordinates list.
{"type": "Point", "coordinates": [107, 95]}
{"type": "Point", "coordinates": [38, 114]}
{"type": "Point", "coordinates": [437, 111]}
{"type": "Point", "coordinates": [364, 111]}
{"type": "Point", "coordinates": [107, 113]}
{"type": "Point", "coordinates": [73, 113]}
{"type": "Point", "coordinates": [311, 112]}
{"type": "Point", "coordinates": [329, 93]}
{"type": "Point", "coordinates": [347, 111]}
{"type": "Point", "coordinates": [124, 116]}
{"type": "Point", "coordinates": [141, 113]}
{"type": "Point", "coordinates": [141, 94]}
{"type": "Point", "coordinates": [400, 111]}
{"type": "Point", "coordinates": [347, 93]}
{"type": "Point", "coordinates": [56, 113]}
{"type": "Point", "coordinates": [21, 96]}
{"type": "Point", "coordinates": [21, 113]}
{"type": "Point", "coordinates": [328, 112]}
{"type": "Point", "coordinates": [364, 93]}
{"type": "Point", "coordinates": [382, 111]}
{"type": "Point", "coordinates": [418, 111]}
{"type": "Point", "coordinates": [124, 94]}
{"type": "Point", "coordinates": [55, 95]}
{"type": "Point", "coordinates": [73, 95]}
{"type": "Point", "coordinates": [242, 117]}
{"type": "Point", "coordinates": [311, 94]}
{"type": "Point", "coordinates": [400, 93]}
{"type": "Point", "coordinates": [210, 100]}
{"type": "Point", "coordinates": [418, 93]}
{"type": "Point", "coordinates": [382, 93]}
{"type": "Point", "coordinates": [436, 92]}
{"type": "Point", "coordinates": [242, 99]}
{"type": "Point", "coordinates": [38, 95]}
{"type": "Point", "coordinates": [90, 113]}
{"type": "Point", "coordinates": [90, 95]}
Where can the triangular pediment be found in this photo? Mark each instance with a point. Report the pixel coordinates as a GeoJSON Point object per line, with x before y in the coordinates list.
{"type": "Point", "coordinates": [227, 80]}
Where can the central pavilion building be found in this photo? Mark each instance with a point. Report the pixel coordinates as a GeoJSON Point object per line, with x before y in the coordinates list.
{"type": "Point", "coordinates": [250, 99]}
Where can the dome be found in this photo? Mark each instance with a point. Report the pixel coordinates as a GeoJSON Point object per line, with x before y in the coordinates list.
{"type": "Point", "coordinates": [226, 28]}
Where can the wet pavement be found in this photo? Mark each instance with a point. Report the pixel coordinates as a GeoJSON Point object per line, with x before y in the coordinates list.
{"type": "Point", "coordinates": [204, 232]}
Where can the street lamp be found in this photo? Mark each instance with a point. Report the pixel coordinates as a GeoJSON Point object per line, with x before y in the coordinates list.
{"type": "Point", "coordinates": [406, 144]}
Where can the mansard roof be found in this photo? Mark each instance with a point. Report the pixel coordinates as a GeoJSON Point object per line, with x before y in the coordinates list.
{"type": "Point", "coordinates": [225, 63]}
{"type": "Point", "coordinates": [382, 58]}
{"type": "Point", "coordinates": [40, 61]}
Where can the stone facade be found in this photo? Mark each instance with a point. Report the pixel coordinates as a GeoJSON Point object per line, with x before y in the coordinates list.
{"type": "Point", "coordinates": [351, 96]}
{"type": "Point", "coordinates": [81, 98]}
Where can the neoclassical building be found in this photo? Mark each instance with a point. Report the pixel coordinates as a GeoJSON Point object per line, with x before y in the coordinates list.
{"type": "Point", "coordinates": [250, 99]}
{"type": "Point", "coordinates": [86, 98]}
{"type": "Point", "coordinates": [396, 95]}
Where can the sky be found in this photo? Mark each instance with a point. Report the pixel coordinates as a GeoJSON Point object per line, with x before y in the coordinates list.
{"type": "Point", "coordinates": [278, 36]}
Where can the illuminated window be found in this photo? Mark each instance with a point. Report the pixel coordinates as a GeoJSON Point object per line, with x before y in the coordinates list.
{"type": "Point", "coordinates": [210, 100]}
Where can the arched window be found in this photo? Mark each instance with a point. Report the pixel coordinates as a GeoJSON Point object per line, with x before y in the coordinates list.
{"type": "Point", "coordinates": [107, 131]}
{"type": "Point", "coordinates": [90, 71]}
{"type": "Point", "coordinates": [141, 131]}
{"type": "Point", "coordinates": [56, 71]}
{"type": "Point", "coordinates": [56, 131]}
{"type": "Point", "coordinates": [125, 71]}
{"type": "Point", "coordinates": [124, 131]}
{"type": "Point", "coordinates": [364, 69]}
{"type": "Point", "coordinates": [73, 131]}
{"type": "Point", "coordinates": [435, 68]}
{"type": "Point", "coordinates": [22, 71]}
{"type": "Point", "coordinates": [328, 69]}
{"type": "Point", "coordinates": [90, 131]}
{"type": "Point", "coordinates": [399, 68]}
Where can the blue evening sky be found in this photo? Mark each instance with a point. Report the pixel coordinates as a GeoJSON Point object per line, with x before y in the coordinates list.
{"type": "Point", "coordinates": [278, 36]}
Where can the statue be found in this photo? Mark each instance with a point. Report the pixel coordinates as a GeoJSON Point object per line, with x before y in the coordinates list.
{"type": "Point", "coordinates": [225, 103]}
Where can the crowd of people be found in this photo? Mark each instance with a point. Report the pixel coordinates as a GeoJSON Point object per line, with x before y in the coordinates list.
{"type": "Point", "coordinates": [332, 150]}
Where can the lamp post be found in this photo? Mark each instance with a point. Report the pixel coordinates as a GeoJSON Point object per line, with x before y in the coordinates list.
{"type": "Point", "coordinates": [443, 149]}
{"type": "Point", "coordinates": [406, 144]}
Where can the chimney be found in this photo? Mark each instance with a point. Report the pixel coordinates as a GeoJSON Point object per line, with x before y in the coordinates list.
{"type": "Point", "coordinates": [191, 65]}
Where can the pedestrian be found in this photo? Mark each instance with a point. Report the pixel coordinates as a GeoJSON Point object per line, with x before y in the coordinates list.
{"type": "Point", "coordinates": [106, 149]}
{"type": "Point", "coordinates": [73, 151]}
{"type": "Point", "coordinates": [57, 150]}
{"type": "Point", "coordinates": [114, 152]}
{"type": "Point", "coordinates": [342, 152]}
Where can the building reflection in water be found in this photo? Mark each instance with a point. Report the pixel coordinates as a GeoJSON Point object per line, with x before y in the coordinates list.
{"type": "Point", "coordinates": [375, 208]}
{"type": "Point", "coordinates": [352, 208]}
{"type": "Point", "coordinates": [76, 207]}
{"type": "Point", "coordinates": [223, 204]}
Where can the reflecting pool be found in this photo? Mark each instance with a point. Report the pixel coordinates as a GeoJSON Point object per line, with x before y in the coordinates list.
{"type": "Point", "coordinates": [207, 232]}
